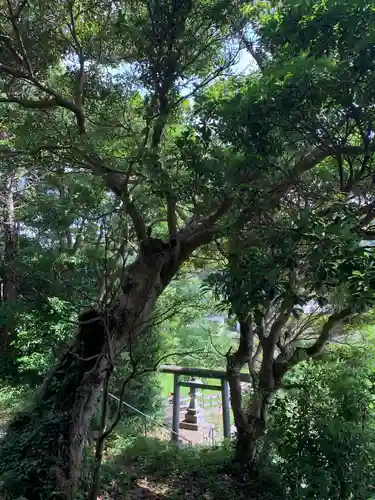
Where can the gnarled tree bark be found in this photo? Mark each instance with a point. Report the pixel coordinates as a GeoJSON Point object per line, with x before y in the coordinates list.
{"type": "Point", "coordinates": [40, 457]}
{"type": "Point", "coordinates": [235, 362]}
{"type": "Point", "coordinates": [251, 421]}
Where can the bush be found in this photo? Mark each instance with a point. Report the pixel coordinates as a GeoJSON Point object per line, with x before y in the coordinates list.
{"type": "Point", "coordinates": [180, 473]}
{"type": "Point", "coordinates": [38, 334]}
{"type": "Point", "coordinates": [323, 433]}
{"type": "Point", "coordinates": [12, 399]}
{"type": "Point", "coordinates": [186, 473]}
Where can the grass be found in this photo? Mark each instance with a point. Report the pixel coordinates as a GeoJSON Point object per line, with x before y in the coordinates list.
{"type": "Point", "coordinates": [166, 380]}
{"type": "Point", "coordinates": [149, 468]}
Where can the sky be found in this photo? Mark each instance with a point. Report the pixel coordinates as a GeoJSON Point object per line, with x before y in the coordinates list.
{"type": "Point", "coordinates": [242, 67]}
{"type": "Point", "coordinates": [245, 62]}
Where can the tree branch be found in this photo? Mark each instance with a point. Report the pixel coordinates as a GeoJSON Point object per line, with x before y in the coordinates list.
{"type": "Point", "coordinates": [323, 338]}
{"type": "Point", "coordinates": [203, 232]}
{"type": "Point", "coordinates": [249, 46]}
{"type": "Point", "coordinates": [136, 217]}
{"type": "Point", "coordinates": [180, 212]}
{"type": "Point", "coordinates": [281, 320]}
{"type": "Point", "coordinates": [81, 60]}
{"type": "Point", "coordinates": [259, 321]}
{"type": "Point", "coordinates": [10, 152]}
{"type": "Point", "coordinates": [235, 363]}
{"type": "Point", "coordinates": [309, 160]}
{"type": "Point", "coordinates": [114, 179]}
{"type": "Point", "coordinates": [13, 16]}
{"type": "Point", "coordinates": [318, 154]}
{"type": "Point", "coordinates": [47, 103]}
{"type": "Point", "coordinates": [367, 235]}
{"type": "Point", "coordinates": [60, 101]}
{"type": "Point", "coordinates": [20, 8]}
{"type": "Point", "coordinates": [171, 217]}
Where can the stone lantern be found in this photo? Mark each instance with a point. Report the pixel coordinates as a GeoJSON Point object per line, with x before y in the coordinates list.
{"type": "Point", "coordinates": [193, 416]}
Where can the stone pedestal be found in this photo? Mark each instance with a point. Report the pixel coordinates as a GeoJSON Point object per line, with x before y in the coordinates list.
{"type": "Point", "coordinates": [191, 421]}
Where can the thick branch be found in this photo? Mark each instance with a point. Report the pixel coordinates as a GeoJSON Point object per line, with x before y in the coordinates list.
{"type": "Point", "coordinates": [367, 235]}
{"type": "Point", "coordinates": [282, 319]}
{"type": "Point", "coordinates": [10, 152]}
{"type": "Point", "coordinates": [235, 363]}
{"type": "Point", "coordinates": [31, 104]}
{"type": "Point", "coordinates": [81, 59]}
{"type": "Point", "coordinates": [369, 215]}
{"type": "Point", "coordinates": [318, 154]}
{"type": "Point", "coordinates": [204, 231]}
{"type": "Point", "coordinates": [307, 162]}
{"type": "Point", "coordinates": [60, 101]}
{"type": "Point", "coordinates": [258, 57]}
{"type": "Point", "coordinates": [259, 321]}
{"type": "Point", "coordinates": [251, 363]}
{"type": "Point", "coordinates": [20, 8]}
{"type": "Point", "coordinates": [172, 217]}
{"type": "Point", "coordinates": [183, 216]}
{"type": "Point", "coordinates": [114, 179]}
{"type": "Point", "coordinates": [136, 217]}
{"type": "Point", "coordinates": [13, 16]}
{"type": "Point", "coordinates": [323, 338]}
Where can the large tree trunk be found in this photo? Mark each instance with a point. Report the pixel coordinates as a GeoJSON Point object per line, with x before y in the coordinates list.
{"type": "Point", "coordinates": [40, 456]}
{"type": "Point", "coordinates": [255, 424]}
{"type": "Point", "coordinates": [246, 430]}
{"type": "Point", "coordinates": [251, 424]}
{"type": "Point", "coordinates": [8, 281]}
{"type": "Point", "coordinates": [267, 384]}
{"type": "Point", "coordinates": [251, 421]}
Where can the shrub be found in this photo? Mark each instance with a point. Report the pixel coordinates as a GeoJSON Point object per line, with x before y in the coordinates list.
{"type": "Point", "coordinates": [322, 432]}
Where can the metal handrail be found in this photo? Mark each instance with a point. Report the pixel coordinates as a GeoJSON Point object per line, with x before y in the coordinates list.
{"type": "Point", "coordinates": [150, 418]}
{"type": "Point", "coordinates": [211, 435]}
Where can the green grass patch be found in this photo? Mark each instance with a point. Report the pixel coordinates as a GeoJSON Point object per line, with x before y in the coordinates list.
{"type": "Point", "coordinates": [166, 380]}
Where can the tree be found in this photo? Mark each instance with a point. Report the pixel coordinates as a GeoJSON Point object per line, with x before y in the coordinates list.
{"type": "Point", "coordinates": [70, 254]}
{"type": "Point", "coordinates": [71, 76]}
{"type": "Point", "coordinates": [9, 245]}
{"type": "Point", "coordinates": [321, 48]}
{"type": "Point", "coordinates": [290, 283]}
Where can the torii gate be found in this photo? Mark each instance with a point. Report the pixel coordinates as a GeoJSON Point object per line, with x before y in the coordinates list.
{"type": "Point", "coordinates": [178, 371]}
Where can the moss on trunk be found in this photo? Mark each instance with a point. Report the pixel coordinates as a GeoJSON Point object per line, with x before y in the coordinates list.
{"type": "Point", "coordinates": [40, 457]}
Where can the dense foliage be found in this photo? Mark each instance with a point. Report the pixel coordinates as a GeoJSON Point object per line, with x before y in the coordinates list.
{"type": "Point", "coordinates": [134, 154]}
{"type": "Point", "coordinates": [323, 430]}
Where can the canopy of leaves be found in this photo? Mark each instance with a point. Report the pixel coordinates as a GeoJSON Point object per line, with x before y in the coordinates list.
{"type": "Point", "coordinates": [304, 254]}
